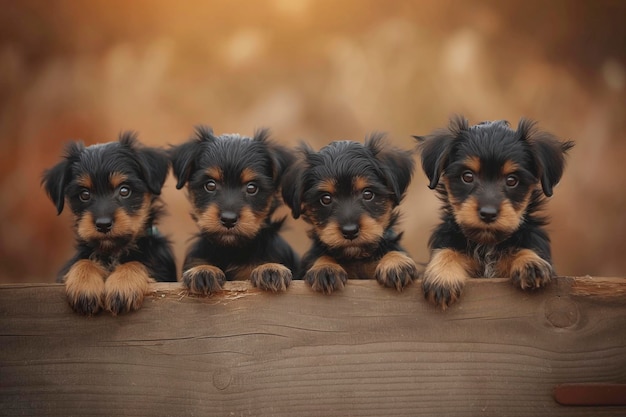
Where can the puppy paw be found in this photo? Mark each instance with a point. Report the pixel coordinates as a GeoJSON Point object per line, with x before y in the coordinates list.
{"type": "Point", "coordinates": [445, 277]}
{"type": "Point", "coordinates": [326, 276]}
{"type": "Point", "coordinates": [271, 277]}
{"type": "Point", "coordinates": [396, 270]}
{"type": "Point", "coordinates": [530, 271]}
{"type": "Point", "coordinates": [125, 288]}
{"type": "Point", "coordinates": [204, 279]}
{"type": "Point", "coordinates": [84, 287]}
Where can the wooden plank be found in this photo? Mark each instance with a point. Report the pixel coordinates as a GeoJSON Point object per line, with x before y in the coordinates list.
{"type": "Point", "coordinates": [364, 351]}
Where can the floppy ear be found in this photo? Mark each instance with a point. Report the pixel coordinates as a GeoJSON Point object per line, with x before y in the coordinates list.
{"type": "Point", "coordinates": [56, 179]}
{"type": "Point", "coordinates": [396, 165]}
{"type": "Point", "coordinates": [184, 156]}
{"type": "Point", "coordinates": [153, 162]}
{"type": "Point", "coordinates": [435, 150]}
{"type": "Point", "coordinates": [548, 152]}
{"type": "Point", "coordinates": [292, 182]}
{"type": "Point", "coordinates": [436, 147]}
{"type": "Point", "coordinates": [282, 158]}
{"type": "Point", "coordinates": [155, 165]}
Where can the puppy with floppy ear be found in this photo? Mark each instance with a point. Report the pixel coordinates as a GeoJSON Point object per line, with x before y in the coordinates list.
{"type": "Point", "coordinates": [492, 181]}
{"type": "Point", "coordinates": [233, 186]}
{"type": "Point", "coordinates": [349, 192]}
{"type": "Point", "coordinates": [113, 191]}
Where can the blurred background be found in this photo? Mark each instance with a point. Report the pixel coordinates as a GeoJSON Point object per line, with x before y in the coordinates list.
{"type": "Point", "coordinates": [314, 70]}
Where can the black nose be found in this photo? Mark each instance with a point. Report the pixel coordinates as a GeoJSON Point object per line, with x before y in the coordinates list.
{"type": "Point", "coordinates": [350, 231]}
{"type": "Point", "coordinates": [104, 224]}
{"type": "Point", "coordinates": [228, 218]}
{"type": "Point", "coordinates": [488, 214]}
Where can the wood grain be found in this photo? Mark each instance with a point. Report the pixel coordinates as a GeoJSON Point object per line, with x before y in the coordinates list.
{"type": "Point", "coordinates": [363, 351]}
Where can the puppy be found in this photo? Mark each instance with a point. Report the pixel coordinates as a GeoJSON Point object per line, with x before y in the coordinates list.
{"type": "Point", "coordinates": [233, 186]}
{"type": "Point", "coordinates": [113, 191]}
{"type": "Point", "coordinates": [492, 181]}
{"type": "Point", "coordinates": [349, 192]}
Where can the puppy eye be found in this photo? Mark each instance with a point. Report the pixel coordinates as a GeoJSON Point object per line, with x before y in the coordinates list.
{"type": "Point", "coordinates": [368, 195]}
{"type": "Point", "coordinates": [252, 188]}
{"type": "Point", "coordinates": [210, 186]}
{"type": "Point", "coordinates": [467, 177]}
{"type": "Point", "coordinates": [326, 199]}
{"type": "Point", "coordinates": [84, 195]}
{"type": "Point", "coordinates": [124, 191]}
{"type": "Point", "coordinates": [512, 181]}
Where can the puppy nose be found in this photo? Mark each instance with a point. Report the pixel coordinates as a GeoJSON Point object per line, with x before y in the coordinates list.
{"type": "Point", "coordinates": [488, 214]}
{"type": "Point", "coordinates": [228, 219]}
{"type": "Point", "coordinates": [104, 224]}
{"type": "Point", "coordinates": [350, 231]}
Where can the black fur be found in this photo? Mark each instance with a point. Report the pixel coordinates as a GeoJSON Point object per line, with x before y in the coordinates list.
{"type": "Point", "coordinates": [385, 171]}
{"type": "Point", "coordinates": [538, 160]}
{"type": "Point", "coordinates": [145, 170]}
{"type": "Point", "coordinates": [240, 247]}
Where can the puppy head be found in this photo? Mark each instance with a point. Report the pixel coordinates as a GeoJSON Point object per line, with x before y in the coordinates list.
{"type": "Point", "coordinates": [347, 191]}
{"type": "Point", "coordinates": [232, 182]}
{"type": "Point", "coordinates": [110, 188]}
{"type": "Point", "coordinates": [490, 173]}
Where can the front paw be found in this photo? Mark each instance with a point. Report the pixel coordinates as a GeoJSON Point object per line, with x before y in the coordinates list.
{"type": "Point", "coordinates": [530, 271]}
{"type": "Point", "coordinates": [204, 279]}
{"type": "Point", "coordinates": [396, 270]}
{"type": "Point", "coordinates": [126, 287]}
{"type": "Point", "coordinates": [326, 276]}
{"type": "Point", "coordinates": [271, 277]}
{"type": "Point", "coordinates": [445, 277]}
{"type": "Point", "coordinates": [84, 287]}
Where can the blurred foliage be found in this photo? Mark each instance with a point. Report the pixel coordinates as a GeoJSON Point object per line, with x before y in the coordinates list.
{"type": "Point", "coordinates": [316, 71]}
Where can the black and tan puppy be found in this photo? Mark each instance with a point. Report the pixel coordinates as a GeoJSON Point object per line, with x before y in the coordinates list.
{"type": "Point", "coordinates": [492, 181]}
{"type": "Point", "coordinates": [233, 186]}
{"type": "Point", "coordinates": [113, 191]}
{"type": "Point", "coordinates": [349, 192]}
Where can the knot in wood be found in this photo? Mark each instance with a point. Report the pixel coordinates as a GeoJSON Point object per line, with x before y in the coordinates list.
{"type": "Point", "coordinates": [222, 378]}
{"type": "Point", "coordinates": [562, 312]}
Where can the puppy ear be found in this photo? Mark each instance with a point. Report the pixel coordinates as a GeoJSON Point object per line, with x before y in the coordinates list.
{"type": "Point", "coordinates": [292, 181]}
{"type": "Point", "coordinates": [548, 152]}
{"type": "Point", "coordinates": [153, 162]}
{"type": "Point", "coordinates": [282, 158]}
{"type": "Point", "coordinates": [435, 149]}
{"type": "Point", "coordinates": [56, 179]}
{"type": "Point", "coordinates": [183, 157]}
{"type": "Point", "coordinates": [396, 165]}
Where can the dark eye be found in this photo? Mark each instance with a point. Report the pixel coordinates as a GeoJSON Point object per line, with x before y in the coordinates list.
{"type": "Point", "coordinates": [467, 177]}
{"type": "Point", "coordinates": [368, 195]}
{"type": "Point", "coordinates": [124, 191]}
{"type": "Point", "coordinates": [326, 199]}
{"type": "Point", "coordinates": [512, 181]}
{"type": "Point", "coordinates": [84, 195]}
{"type": "Point", "coordinates": [252, 188]}
{"type": "Point", "coordinates": [210, 186]}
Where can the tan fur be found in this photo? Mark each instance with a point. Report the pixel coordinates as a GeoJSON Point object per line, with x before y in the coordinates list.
{"type": "Point", "coordinates": [190, 276]}
{"type": "Point", "coordinates": [84, 180]}
{"type": "Point", "coordinates": [117, 178]}
{"type": "Point", "coordinates": [508, 220]}
{"type": "Point", "coordinates": [123, 223]}
{"type": "Point", "coordinates": [396, 269]}
{"type": "Point", "coordinates": [448, 269]}
{"type": "Point", "coordinates": [247, 226]}
{"type": "Point", "coordinates": [509, 167]}
{"type": "Point", "coordinates": [126, 287]}
{"type": "Point", "coordinates": [85, 280]}
{"type": "Point", "coordinates": [360, 183]}
{"type": "Point", "coordinates": [215, 173]}
{"type": "Point", "coordinates": [370, 231]}
{"type": "Point", "coordinates": [328, 185]}
{"type": "Point", "coordinates": [271, 277]}
{"type": "Point", "coordinates": [247, 175]}
{"type": "Point", "coordinates": [472, 163]}
{"type": "Point", "coordinates": [326, 264]}
{"type": "Point", "coordinates": [519, 263]}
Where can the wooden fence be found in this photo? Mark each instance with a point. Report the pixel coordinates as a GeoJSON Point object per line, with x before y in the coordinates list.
{"type": "Point", "coordinates": [364, 351]}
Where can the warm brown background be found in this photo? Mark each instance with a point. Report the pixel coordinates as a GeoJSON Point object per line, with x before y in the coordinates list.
{"type": "Point", "coordinates": [313, 70]}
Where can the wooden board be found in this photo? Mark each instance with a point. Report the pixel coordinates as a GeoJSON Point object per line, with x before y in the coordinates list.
{"type": "Point", "coordinates": [365, 351]}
